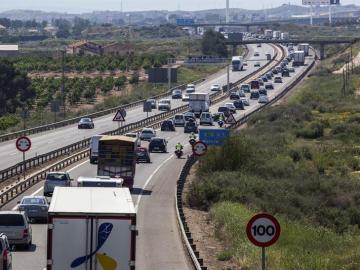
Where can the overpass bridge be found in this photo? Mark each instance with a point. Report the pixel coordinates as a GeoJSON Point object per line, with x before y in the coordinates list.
{"type": "Point", "coordinates": [321, 42]}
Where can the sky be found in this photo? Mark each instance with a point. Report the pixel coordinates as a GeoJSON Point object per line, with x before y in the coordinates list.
{"type": "Point", "coordinates": [79, 6]}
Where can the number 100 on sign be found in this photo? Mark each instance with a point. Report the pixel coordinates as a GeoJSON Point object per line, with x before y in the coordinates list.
{"type": "Point", "coordinates": [263, 230]}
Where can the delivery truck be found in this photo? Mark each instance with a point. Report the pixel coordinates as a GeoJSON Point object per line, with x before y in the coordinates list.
{"type": "Point", "coordinates": [237, 63]}
{"type": "Point", "coordinates": [268, 33]}
{"type": "Point", "coordinates": [284, 35]}
{"type": "Point", "coordinates": [199, 103]}
{"type": "Point", "coordinates": [117, 158]}
{"type": "Point", "coordinates": [276, 35]}
{"type": "Point", "coordinates": [304, 47]}
{"type": "Point", "coordinates": [91, 229]}
{"type": "Point", "coordinates": [299, 58]}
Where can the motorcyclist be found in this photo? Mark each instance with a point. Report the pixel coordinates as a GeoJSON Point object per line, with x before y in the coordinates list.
{"type": "Point", "coordinates": [179, 147]}
{"type": "Point", "coordinates": [192, 136]}
{"type": "Point", "coordinates": [221, 118]}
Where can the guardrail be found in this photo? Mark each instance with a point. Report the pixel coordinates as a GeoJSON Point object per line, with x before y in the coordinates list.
{"type": "Point", "coordinates": [39, 129]}
{"type": "Point", "coordinates": [153, 122]}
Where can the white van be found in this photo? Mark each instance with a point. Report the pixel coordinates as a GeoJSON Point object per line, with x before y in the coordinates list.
{"type": "Point", "coordinates": [206, 119]}
{"type": "Point", "coordinates": [94, 148]}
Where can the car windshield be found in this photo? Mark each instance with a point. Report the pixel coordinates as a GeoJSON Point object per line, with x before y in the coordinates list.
{"type": "Point", "coordinates": [157, 141]}
{"type": "Point", "coordinates": [147, 131]}
{"type": "Point", "coordinates": [56, 177]}
{"type": "Point", "coordinates": [11, 220]}
{"type": "Point", "coordinates": [85, 120]}
{"type": "Point", "coordinates": [190, 124]}
{"type": "Point", "coordinates": [222, 109]}
{"type": "Point", "coordinates": [179, 117]}
{"type": "Point", "coordinates": [33, 201]}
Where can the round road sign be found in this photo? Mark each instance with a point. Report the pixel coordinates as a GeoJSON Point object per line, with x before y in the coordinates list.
{"type": "Point", "coordinates": [263, 230]}
{"type": "Point", "coordinates": [23, 144]}
{"type": "Point", "coordinates": [199, 148]}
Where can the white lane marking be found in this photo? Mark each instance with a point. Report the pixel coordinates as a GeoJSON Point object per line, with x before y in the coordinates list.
{"type": "Point", "coordinates": [149, 180]}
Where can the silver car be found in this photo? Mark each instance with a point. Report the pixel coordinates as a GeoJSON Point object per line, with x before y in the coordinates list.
{"type": "Point", "coordinates": [16, 227]}
{"type": "Point", "coordinates": [147, 133]}
{"type": "Point", "coordinates": [55, 179]}
{"type": "Point", "coordinates": [35, 207]}
{"type": "Point", "coordinates": [5, 254]}
{"type": "Point", "coordinates": [245, 101]}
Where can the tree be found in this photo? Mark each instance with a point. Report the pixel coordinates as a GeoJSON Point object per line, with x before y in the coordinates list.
{"type": "Point", "coordinates": [64, 28]}
{"type": "Point", "coordinates": [119, 82]}
{"type": "Point", "coordinates": [213, 43]}
{"type": "Point", "coordinates": [79, 26]}
{"type": "Point", "coordinates": [134, 78]}
{"type": "Point", "coordinates": [15, 89]}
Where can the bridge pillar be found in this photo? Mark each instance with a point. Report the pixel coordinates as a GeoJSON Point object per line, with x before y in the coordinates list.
{"type": "Point", "coordinates": [234, 50]}
{"type": "Point", "coordinates": [248, 28]}
{"type": "Point", "coordinates": [322, 51]}
{"type": "Point", "coordinates": [196, 30]}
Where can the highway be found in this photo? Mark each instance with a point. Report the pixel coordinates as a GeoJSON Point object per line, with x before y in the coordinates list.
{"type": "Point", "coordinates": [47, 141]}
{"type": "Point", "coordinates": [159, 244]}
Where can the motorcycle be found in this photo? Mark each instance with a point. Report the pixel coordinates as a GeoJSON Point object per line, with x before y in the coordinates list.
{"type": "Point", "coordinates": [221, 123]}
{"type": "Point", "coordinates": [178, 153]}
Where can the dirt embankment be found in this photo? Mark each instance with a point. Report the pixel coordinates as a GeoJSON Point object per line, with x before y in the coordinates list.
{"type": "Point", "coordinates": [355, 63]}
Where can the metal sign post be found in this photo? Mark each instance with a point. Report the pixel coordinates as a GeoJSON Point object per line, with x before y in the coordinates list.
{"type": "Point", "coordinates": [23, 144]}
{"type": "Point", "coordinates": [263, 230]}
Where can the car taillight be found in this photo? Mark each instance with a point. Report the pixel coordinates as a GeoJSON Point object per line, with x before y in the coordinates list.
{"type": "Point", "coordinates": [25, 233]}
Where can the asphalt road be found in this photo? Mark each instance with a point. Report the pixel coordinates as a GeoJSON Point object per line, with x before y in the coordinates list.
{"type": "Point", "coordinates": [159, 244]}
{"type": "Point", "coordinates": [47, 141]}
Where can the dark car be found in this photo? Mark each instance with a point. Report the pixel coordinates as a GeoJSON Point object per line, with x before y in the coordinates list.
{"type": "Point", "coordinates": [269, 86]}
{"type": "Point", "coordinates": [225, 110]}
{"type": "Point", "coordinates": [285, 72]}
{"type": "Point", "coordinates": [278, 80]}
{"type": "Point", "coordinates": [191, 126]}
{"type": "Point", "coordinates": [263, 92]}
{"type": "Point", "coordinates": [86, 123]}
{"type": "Point", "coordinates": [269, 76]}
{"type": "Point", "coordinates": [234, 96]}
{"type": "Point", "coordinates": [255, 84]}
{"type": "Point", "coordinates": [254, 95]}
{"type": "Point", "coordinates": [274, 71]}
{"type": "Point", "coordinates": [239, 105]}
{"type": "Point", "coordinates": [264, 78]}
{"type": "Point", "coordinates": [158, 145]}
{"type": "Point", "coordinates": [168, 125]}
{"type": "Point", "coordinates": [153, 103]}
{"type": "Point", "coordinates": [142, 155]}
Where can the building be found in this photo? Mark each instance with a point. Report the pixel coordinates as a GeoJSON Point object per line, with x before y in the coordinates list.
{"type": "Point", "coordinates": [52, 30]}
{"type": "Point", "coordinates": [85, 47]}
{"type": "Point", "coordinates": [9, 50]}
{"type": "Point", "coordinates": [2, 29]}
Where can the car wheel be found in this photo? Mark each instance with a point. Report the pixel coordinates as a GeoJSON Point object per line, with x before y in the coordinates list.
{"type": "Point", "coordinates": [148, 161]}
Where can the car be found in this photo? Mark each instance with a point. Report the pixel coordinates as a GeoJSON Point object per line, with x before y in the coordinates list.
{"type": "Point", "coordinates": [269, 86]}
{"type": "Point", "coordinates": [5, 253]}
{"type": "Point", "coordinates": [269, 76]}
{"type": "Point", "coordinates": [15, 225]}
{"type": "Point", "coordinates": [216, 116]}
{"type": "Point", "coordinates": [245, 87]}
{"type": "Point", "coordinates": [86, 123]}
{"type": "Point", "coordinates": [35, 207]}
{"type": "Point", "coordinates": [274, 71]}
{"type": "Point", "coordinates": [245, 101]}
{"type": "Point", "coordinates": [258, 45]}
{"type": "Point", "coordinates": [134, 135]}
{"type": "Point", "coordinates": [164, 105]}
{"type": "Point", "coordinates": [285, 73]}
{"type": "Point", "coordinates": [185, 98]}
{"type": "Point", "coordinates": [225, 110]}
{"type": "Point", "coordinates": [179, 120]}
{"type": "Point", "coordinates": [191, 126]}
{"type": "Point", "coordinates": [189, 116]}
{"type": "Point", "coordinates": [153, 103]}
{"type": "Point", "coordinates": [257, 64]}
{"type": "Point", "coordinates": [239, 105]}
{"type": "Point", "coordinates": [264, 79]}
{"type": "Point", "coordinates": [206, 119]}
{"type": "Point", "coordinates": [263, 99]}
{"type": "Point", "coordinates": [261, 82]}
{"type": "Point", "coordinates": [147, 133]}
{"type": "Point", "coordinates": [291, 69]}
{"type": "Point", "coordinates": [158, 145]}
{"type": "Point", "coordinates": [231, 107]}
{"type": "Point", "coordinates": [234, 96]}
{"type": "Point", "coordinates": [190, 90]}
{"type": "Point", "coordinates": [242, 93]}
{"type": "Point", "coordinates": [256, 54]}
{"type": "Point", "coordinates": [215, 87]}
{"type": "Point", "coordinates": [168, 125]}
{"type": "Point", "coordinates": [278, 69]}
{"type": "Point", "coordinates": [254, 94]}
{"type": "Point", "coordinates": [176, 94]}
{"type": "Point", "coordinates": [142, 155]}
{"type": "Point", "coordinates": [55, 179]}
{"type": "Point", "coordinates": [255, 84]}
{"type": "Point", "coordinates": [262, 91]}
{"type": "Point", "coordinates": [278, 80]}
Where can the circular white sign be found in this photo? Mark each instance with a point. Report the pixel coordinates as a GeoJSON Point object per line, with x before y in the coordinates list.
{"type": "Point", "coordinates": [23, 144]}
{"type": "Point", "coordinates": [199, 148]}
{"type": "Point", "coordinates": [263, 230]}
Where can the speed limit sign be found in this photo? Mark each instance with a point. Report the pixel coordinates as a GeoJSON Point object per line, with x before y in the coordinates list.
{"type": "Point", "coordinates": [199, 148]}
{"type": "Point", "coordinates": [263, 230]}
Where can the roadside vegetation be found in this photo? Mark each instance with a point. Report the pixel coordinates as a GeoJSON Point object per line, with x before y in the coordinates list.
{"type": "Point", "coordinates": [299, 161]}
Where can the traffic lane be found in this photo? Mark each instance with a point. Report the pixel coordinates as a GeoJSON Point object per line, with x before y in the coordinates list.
{"type": "Point", "coordinates": [47, 141]}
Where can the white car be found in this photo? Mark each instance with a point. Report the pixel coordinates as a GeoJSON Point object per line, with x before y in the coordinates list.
{"type": "Point", "coordinates": [190, 88]}
{"type": "Point", "coordinates": [179, 120]}
{"type": "Point", "coordinates": [147, 133]}
{"type": "Point", "coordinates": [185, 98]}
{"type": "Point", "coordinates": [164, 105]}
{"type": "Point", "coordinates": [215, 87]}
{"type": "Point", "coordinates": [135, 136]}
{"type": "Point", "coordinates": [206, 119]}
{"type": "Point", "coordinates": [245, 101]}
{"type": "Point", "coordinates": [231, 107]}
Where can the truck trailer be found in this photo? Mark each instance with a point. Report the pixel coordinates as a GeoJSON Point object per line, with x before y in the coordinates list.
{"type": "Point", "coordinates": [237, 63]}
{"type": "Point", "coordinates": [117, 158]}
{"type": "Point", "coordinates": [91, 228]}
{"type": "Point", "coordinates": [304, 47]}
{"type": "Point", "coordinates": [299, 58]}
{"type": "Point", "coordinates": [199, 103]}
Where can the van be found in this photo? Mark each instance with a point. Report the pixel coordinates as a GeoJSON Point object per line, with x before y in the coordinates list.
{"type": "Point", "coordinates": [206, 119]}
{"type": "Point", "coordinates": [94, 148]}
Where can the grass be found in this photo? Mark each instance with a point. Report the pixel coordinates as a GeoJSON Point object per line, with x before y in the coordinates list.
{"type": "Point", "coordinates": [299, 161]}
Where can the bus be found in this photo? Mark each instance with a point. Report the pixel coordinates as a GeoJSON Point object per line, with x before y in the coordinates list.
{"type": "Point", "coordinates": [117, 158]}
{"type": "Point", "coordinates": [237, 63]}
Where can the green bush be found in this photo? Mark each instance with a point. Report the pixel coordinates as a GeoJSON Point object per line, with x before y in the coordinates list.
{"type": "Point", "coordinates": [8, 121]}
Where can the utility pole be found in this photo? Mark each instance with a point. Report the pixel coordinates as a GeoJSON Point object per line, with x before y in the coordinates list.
{"type": "Point", "coordinates": [311, 14]}
{"type": "Point", "coordinates": [227, 11]}
{"type": "Point", "coordinates": [330, 15]}
{"type": "Point", "coordinates": [63, 82]}
{"type": "Point", "coordinates": [169, 73]}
